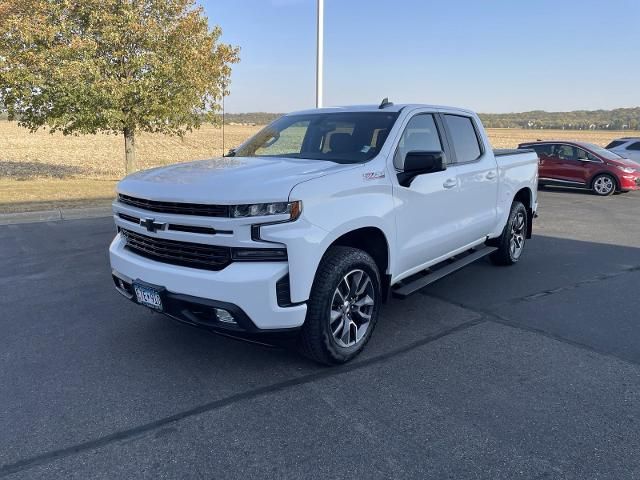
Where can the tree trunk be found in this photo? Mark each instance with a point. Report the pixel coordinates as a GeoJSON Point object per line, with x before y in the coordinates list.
{"type": "Point", "coordinates": [129, 150]}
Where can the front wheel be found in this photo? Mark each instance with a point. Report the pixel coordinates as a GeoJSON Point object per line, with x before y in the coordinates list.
{"type": "Point", "coordinates": [511, 242]}
{"type": "Point", "coordinates": [343, 306]}
{"type": "Point", "coordinates": [604, 185]}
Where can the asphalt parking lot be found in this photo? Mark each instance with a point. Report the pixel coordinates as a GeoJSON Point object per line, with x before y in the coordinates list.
{"type": "Point", "coordinates": [530, 371]}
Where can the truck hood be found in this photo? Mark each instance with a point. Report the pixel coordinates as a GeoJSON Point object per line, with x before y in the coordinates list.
{"type": "Point", "coordinates": [226, 180]}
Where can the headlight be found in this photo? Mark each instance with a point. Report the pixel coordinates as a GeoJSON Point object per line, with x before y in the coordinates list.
{"type": "Point", "coordinates": [627, 169]}
{"type": "Point", "coordinates": [292, 209]}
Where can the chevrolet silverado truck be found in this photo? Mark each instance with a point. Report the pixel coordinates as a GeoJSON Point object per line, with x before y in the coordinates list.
{"type": "Point", "coordinates": [311, 224]}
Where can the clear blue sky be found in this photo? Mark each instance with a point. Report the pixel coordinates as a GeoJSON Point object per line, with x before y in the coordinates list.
{"type": "Point", "coordinates": [488, 55]}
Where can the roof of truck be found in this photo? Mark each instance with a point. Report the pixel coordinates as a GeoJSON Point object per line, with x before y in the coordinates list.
{"type": "Point", "coordinates": [373, 108]}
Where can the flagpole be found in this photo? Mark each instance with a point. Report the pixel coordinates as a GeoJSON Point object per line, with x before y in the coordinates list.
{"type": "Point", "coordinates": [319, 53]}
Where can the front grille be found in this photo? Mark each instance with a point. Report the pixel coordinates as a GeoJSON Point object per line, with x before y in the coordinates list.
{"type": "Point", "coordinates": [186, 254]}
{"type": "Point", "coordinates": [175, 207]}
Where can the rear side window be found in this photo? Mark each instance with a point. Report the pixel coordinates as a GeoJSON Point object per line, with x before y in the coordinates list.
{"type": "Point", "coordinates": [634, 146]}
{"type": "Point", "coordinates": [464, 137]}
{"type": "Point", "coordinates": [615, 143]}
{"type": "Point", "coordinates": [542, 150]}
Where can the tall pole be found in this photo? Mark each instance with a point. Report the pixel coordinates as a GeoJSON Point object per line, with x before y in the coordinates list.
{"type": "Point", "coordinates": [319, 53]}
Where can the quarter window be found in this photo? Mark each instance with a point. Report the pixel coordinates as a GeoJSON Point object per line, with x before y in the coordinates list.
{"type": "Point", "coordinates": [464, 137]}
{"type": "Point", "coordinates": [421, 134]}
{"type": "Point", "coordinates": [634, 146]}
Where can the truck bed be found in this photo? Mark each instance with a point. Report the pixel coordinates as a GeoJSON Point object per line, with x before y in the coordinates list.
{"type": "Point", "coordinates": [501, 152]}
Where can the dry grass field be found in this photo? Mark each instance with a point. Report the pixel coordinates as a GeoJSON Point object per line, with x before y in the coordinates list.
{"type": "Point", "coordinates": [41, 171]}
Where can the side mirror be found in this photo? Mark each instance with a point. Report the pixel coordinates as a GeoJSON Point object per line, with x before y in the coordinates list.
{"type": "Point", "coordinates": [419, 162]}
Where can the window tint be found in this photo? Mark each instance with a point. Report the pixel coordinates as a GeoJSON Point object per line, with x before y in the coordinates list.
{"type": "Point", "coordinates": [463, 135]}
{"type": "Point", "coordinates": [337, 137]}
{"type": "Point", "coordinates": [582, 154]}
{"type": "Point", "coordinates": [542, 150]}
{"type": "Point", "coordinates": [288, 141]}
{"type": "Point", "coordinates": [565, 152]}
{"type": "Point", "coordinates": [615, 143]}
{"type": "Point", "coordinates": [634, 146]}
{"type": "Point", "coordinates": [420, 134]}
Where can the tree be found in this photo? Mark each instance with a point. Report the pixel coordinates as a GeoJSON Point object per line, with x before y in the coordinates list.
{"type": "Point", "coordinates": [115, 66]}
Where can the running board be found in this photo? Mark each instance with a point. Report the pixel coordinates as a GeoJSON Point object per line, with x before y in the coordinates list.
{"type": "Point", "coordinates": [407, 289]}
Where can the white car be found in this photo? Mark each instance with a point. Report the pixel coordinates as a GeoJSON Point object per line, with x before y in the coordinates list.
{"type": "Point", "coordinates": [308, 226]}
{"type": "Point", "coordinates": [626, 147]}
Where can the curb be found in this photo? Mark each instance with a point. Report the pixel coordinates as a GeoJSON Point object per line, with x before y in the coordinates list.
{"type": "Point", "coordinates": [57, 215]}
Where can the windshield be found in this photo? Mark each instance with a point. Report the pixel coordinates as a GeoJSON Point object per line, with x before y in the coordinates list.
{"type": "Point", "coordinates": [337, 137]}
{"type": "Point", "coordinates": [598, 150]}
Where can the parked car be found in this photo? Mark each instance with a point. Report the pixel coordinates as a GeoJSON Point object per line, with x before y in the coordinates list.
{"type": "Point", "coordinates": [585, 165]}
{"type": "Point", "coordinates": [627, 147]}
{"type": "Point", "coordinates": [310, 224]}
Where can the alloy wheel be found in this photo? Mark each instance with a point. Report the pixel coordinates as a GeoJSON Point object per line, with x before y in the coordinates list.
{"type": "Point", "coordinates": [603, 185]}
{"type": "Point", "coordinates": [352, 306]}
{"type": "Point", "coordinates": [518, 233]}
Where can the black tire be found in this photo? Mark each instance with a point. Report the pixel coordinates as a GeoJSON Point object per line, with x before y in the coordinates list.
{"type": "Point", "coordinates": [505, 254]}
{"type": "Point", "coordinates": [599, 183]}
{"type": "Point", "coordinates": [317, 340]}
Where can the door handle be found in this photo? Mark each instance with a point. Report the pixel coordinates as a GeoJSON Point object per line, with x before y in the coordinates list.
{"type": "Point", "coordinates": [450, 183]}
{"type": "Point", "coordinates": [491, 175]}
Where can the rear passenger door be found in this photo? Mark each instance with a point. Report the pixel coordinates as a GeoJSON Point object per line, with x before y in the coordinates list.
{"type": "Point", "coordinates": [474, 203]}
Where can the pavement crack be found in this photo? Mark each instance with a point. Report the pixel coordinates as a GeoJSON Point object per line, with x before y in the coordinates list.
{"type": "Point", "coordinates": [167, 422]}
{"type": "Point", "coordinates": [589, 281]}
{"type": "Point", "coordinates": [502, 320]}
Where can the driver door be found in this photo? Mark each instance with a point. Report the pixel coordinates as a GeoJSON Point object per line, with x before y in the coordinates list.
{"type": "Point", "coordinates": [425, 222]}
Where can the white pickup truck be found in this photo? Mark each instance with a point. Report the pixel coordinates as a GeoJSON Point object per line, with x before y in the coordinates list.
{"type": "Point", "coordinates": [309, 225]}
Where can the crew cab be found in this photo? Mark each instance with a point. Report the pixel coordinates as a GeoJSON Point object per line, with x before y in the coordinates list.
{"type": "Point", "coordinates": [584, 165]}
{"type": "Point", "coordinates": [308, 227]}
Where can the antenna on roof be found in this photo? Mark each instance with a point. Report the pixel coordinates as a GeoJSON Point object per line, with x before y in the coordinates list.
{"type": "Point", "coordinates": [385, 103]}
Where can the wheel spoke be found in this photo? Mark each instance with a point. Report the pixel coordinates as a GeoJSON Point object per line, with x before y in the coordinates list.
{"type": "Point", "coordinates": [336, 331]}
{"type": "Point", "coordinates": [335, 315]}
{"type": "Point", "coordinates": [364, 301]}
{"type": "Point", "coordinates": [346, 331]}
{"type": "Point", "coordinates": [363, 285]}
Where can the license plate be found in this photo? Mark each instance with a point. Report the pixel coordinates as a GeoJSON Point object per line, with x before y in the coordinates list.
{"type": "Point", "coordinates": [148, 297]}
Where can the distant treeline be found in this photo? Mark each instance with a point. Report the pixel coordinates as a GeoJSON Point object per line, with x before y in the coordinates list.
{"type": "Point", "coordinates": [257, 118]}
{"type": "Point", "coordinates": [618, 119]}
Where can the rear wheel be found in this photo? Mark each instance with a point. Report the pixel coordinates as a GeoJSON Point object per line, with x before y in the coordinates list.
{"type": "Point", "coordinates": [511, 242]}
{"type": "Point", "coordinates": [604, 185]}
{"type": "Point", "coordinates": [343, 307]}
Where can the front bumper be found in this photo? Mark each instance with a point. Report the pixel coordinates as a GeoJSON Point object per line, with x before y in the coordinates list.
{"type": "Point", "coordinates": [248, 289]}
{"type": "Point", "coordinates": [630, 182]}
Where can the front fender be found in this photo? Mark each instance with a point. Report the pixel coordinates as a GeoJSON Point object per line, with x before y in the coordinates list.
{"type": "Point", "coordinates": [332, 206]}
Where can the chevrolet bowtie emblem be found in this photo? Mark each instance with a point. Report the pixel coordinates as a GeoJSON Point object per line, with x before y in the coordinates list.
{"type": "Point", "coordinates": [151, 225]}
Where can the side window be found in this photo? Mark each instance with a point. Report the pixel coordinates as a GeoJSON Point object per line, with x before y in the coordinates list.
{"type": "Point", "coordinates": [465, 140]}
{"type": "Point", "coordinates": [542, 150]}
{"type": "Point", "coordinates": [565, 152]}
{"type": "Point", "coordinates": [420, 134]}
{"type": "Point", "coordinates": [582, 154]}
{"type": "Point", "coordinates": [634, 146]}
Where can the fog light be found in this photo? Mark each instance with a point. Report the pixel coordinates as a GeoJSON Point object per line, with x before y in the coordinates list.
{"type": "Point", "coordinates": [224, 316]}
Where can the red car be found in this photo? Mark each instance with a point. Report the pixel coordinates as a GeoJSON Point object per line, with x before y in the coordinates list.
{"type": "Point", "coordinates": [585, 165]}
